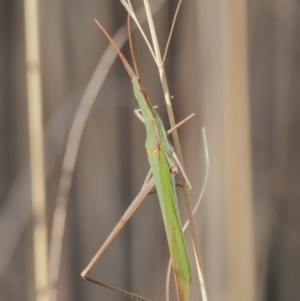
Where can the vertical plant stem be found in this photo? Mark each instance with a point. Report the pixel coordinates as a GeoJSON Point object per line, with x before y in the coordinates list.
{"type": "Point", "coordinates": [237, 151]}
{"type": "Point", "coordinates": [36, 149]}
{"type": "Point", "coordinates": [177, 147]}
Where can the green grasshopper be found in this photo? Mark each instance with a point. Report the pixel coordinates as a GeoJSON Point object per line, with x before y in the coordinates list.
{"type": "Point", "coordinates": [164, 165]}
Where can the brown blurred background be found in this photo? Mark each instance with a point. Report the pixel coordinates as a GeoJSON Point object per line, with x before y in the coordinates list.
{"type": "Point", "coordinates": [236, 65]}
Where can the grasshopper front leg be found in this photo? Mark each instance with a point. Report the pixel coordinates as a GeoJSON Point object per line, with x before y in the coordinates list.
{"type": "Point", "coordinates": [138, 114]}
{"type": "Point", "coordinates": [172, 154]}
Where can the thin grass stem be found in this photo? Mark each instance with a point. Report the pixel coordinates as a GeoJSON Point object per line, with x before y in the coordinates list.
{"type": "Point", "coordinates": [35, 120]}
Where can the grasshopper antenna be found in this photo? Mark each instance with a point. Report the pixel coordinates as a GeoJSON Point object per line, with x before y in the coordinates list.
{"type": "Point", "coordinates": [122, 57]}
{"type": "Point", "coordinates": [131, 47]}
